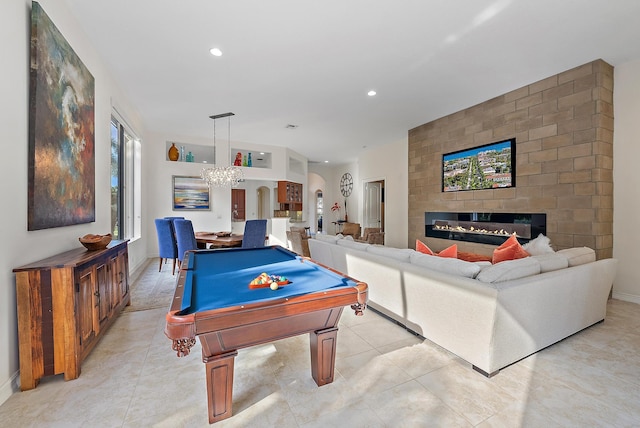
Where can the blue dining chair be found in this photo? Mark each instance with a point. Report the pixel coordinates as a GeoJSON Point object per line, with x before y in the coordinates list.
{"type": "Point", "coordinates": [167, 247]}
{"type": "Point", "coordinates": [185, 236]}
{"type": "Point", "coordinates": [254, 233]}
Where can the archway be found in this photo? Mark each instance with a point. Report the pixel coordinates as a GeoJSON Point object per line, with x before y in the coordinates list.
{"type": "Point", "coordinates": [263, 196]}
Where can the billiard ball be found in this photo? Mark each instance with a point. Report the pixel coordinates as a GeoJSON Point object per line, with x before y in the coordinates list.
{"type": "Point", "coordinates": [274, 285]}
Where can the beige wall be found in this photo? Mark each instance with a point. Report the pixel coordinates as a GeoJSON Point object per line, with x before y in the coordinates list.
{"type": "Point", "coordinates": [388, 163]}
{"type": "Point", "coordinates": [18, 246]}
{"type": "Point", "coordinates": [564, 143]}
{"type": "Point", "coordinates": [626, 155]}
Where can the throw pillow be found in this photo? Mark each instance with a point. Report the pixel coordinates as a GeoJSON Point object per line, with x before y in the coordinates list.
{"type": "Point", "coordinates": [473, 257]}
{"type": "Point", "coordinates": [421, 247]}
{"type": "Point", "coordinates": [451, 252]}
{"type": "Point", "coordinates": [509, 250]}
{"type": "Point", "coordinates": [538, 246]}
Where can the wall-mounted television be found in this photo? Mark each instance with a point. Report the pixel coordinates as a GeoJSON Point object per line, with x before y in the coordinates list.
{"type": "Point", "coordinates": [490, 166]}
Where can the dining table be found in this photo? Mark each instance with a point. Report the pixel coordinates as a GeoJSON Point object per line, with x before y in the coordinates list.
{"type": "Point", "coordinates": [218, 239]}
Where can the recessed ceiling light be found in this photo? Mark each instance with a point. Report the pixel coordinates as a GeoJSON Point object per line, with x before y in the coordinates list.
{"type": "Point", "coordinates": [371, 93]}
{"type": "Point", "coordinates": [215, 52]}
{"type": "Point", "coordinates": [326, 161]}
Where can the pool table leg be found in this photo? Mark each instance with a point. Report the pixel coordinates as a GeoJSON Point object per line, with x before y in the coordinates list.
{"type": "Point", "coordinates": [219, 385]}
{"type": "Point", "coordinates": [323, 354]}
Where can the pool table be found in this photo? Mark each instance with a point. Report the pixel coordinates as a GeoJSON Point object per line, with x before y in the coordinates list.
{"type": "Point", "coordinates": [215, 302]}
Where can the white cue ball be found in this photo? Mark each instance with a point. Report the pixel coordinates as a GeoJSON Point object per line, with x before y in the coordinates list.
{"type": "Point", "coordinates": [274, 285]}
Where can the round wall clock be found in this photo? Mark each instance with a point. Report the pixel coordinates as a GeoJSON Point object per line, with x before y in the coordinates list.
{"type": "Point", "coordinates": [346, 184]}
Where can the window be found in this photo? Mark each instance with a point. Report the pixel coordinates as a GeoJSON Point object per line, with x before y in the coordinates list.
{"type": "Point", "coordinates": [125, 181]}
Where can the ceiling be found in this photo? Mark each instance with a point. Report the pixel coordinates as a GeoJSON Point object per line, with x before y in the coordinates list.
{"type": "Point", "coordinates": [311, 63]}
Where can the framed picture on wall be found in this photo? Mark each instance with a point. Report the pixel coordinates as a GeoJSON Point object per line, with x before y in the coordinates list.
{"type": "Point", "coordinates": [190, 194]}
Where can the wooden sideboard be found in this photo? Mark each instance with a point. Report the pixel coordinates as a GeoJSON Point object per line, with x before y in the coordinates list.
{"type": "Point", "coordinates": [65, 303]}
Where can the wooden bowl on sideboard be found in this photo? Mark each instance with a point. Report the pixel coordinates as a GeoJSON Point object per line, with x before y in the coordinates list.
{"type": "Point", "coordinates": [95, 242]}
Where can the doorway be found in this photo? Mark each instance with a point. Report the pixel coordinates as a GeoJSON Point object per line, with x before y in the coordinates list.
{"type": "Point", "coordinates": [264, 202]}
{"type": "Point", "coordinates": [238, 205]}
{"type": "Point", "coordinates": [374, 204]}
{"type": "Point", "coordinates": [319, 207]}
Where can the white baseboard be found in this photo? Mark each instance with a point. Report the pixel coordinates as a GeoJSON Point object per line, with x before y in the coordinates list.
{"type": "Point", "coordinates": [135, 271]}
{"type": "Point", "coordinates": [9, 387]}
{"type": "Point", "coordinates": [633, 298]}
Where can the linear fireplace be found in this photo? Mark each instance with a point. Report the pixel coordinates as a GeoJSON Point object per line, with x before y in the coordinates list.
{"type": "Point", "coordinates": [484, 228]}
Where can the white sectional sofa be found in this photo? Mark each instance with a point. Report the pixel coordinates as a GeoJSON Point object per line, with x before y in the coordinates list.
{"type": "Point", "coordinates": [488, 315]}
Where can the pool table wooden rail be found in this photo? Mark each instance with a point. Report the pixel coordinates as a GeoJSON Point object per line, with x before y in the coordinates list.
{"type": "Point", "coordinates": [261, 316]}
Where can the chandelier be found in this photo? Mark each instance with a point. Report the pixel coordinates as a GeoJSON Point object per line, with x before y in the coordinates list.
{"type": "Point", "coordinates": [222, 176]}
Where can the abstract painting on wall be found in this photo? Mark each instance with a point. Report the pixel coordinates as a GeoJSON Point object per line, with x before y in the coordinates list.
{"type": "Point", "coordinates": [190, 193]}
{"type": "Point", "coordinates": [61, 130]}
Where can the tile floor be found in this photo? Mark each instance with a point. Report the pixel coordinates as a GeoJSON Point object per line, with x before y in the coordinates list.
{"type": "Point", "coordinates": [385, 377]}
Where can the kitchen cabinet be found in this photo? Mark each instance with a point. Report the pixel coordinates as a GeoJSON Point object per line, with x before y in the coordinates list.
{"type": "Point", "coordinates": [290, 195]}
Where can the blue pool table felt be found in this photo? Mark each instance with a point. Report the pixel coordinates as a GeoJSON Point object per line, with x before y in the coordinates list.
{"type": "Point", "coordinates": [219, 279]}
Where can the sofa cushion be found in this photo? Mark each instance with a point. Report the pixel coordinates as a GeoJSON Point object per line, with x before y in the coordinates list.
{"type": "Point", "coordinates": [509, 270]}
{"type": "Point", "coordinates": [327, 238]}
{"type": "Point", "coordinates": [540, 245]}
{"type": "Point", "coordinates": [579, 255]}
{"type": "Point", "coordinates": [401, 254]}
{"type": "Point", "coordinates": [551, 261]}
{"type": "Point", "coordinates": [445, 265]}
{"type": "Point", "coordinates": [362, 246]}
{"type": "Point", "coordinates": [509, 250]}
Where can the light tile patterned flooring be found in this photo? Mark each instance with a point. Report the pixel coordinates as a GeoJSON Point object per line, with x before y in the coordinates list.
{"type": "Point", "coordinates": [385, 377]}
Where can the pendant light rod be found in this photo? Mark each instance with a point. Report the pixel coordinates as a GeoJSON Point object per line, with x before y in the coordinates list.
{"type": "Point", "coordinates": [222, 176]}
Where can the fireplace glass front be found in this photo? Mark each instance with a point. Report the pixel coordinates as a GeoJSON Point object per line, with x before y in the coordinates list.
{"type": "Point", "coordinates": [485, 228]}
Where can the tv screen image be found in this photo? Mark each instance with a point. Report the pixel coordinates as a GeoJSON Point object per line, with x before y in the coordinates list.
{"type": "Point", "coordinates": [490, 166]}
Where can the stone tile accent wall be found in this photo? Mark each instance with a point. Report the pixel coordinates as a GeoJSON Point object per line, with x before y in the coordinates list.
{"type": "Point", "coordinates": [564, 152]}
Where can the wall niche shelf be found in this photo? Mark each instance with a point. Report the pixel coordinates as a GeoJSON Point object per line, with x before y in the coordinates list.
{"type": "Point", "coordinates": [200, 153]}
{"type": "Point", "coordinates": [259, 159]}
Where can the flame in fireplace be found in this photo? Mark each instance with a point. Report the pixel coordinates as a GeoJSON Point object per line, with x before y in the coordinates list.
{"type": "Point", "coordinates": [449, 228]}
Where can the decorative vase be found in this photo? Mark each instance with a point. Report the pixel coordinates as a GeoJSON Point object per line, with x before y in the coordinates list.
{"type": "Point", "coordinates": [173, 153]}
